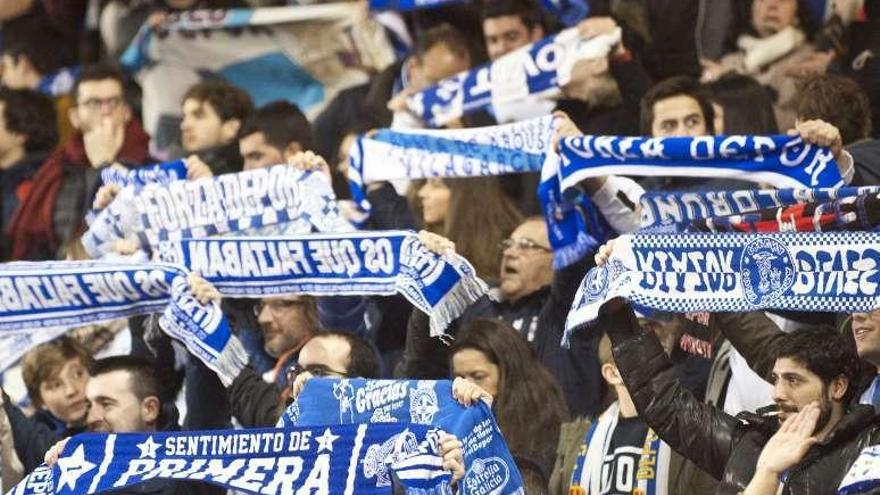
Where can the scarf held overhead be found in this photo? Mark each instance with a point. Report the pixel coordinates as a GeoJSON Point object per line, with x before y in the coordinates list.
{"type": "Point", "coordinates": [266, 461]}
{"type": "Point", "coordinates": [688, 273]}
{"type": "Point", "coordinates": [362, 263]}
{"type": "Point", "coordinates": [490, 468]}
{"type": "Point", "coordinates": [421, 154]}
{"type": "Point", "coordinates": [782, 161]}
{"type": "Point", "coordinates": [541, 68]}
{"type": "Point", "coordinates": [281, 196]}
{"type": "Point", "coordinates": [160, 173]}
{"type": "Point", "coordinates": [663, 208]}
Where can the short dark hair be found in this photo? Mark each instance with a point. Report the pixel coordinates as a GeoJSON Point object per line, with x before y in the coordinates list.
{"type": "Point", "coordinates": [281, 123]}
{"type": "Point", "coordinates": [228, 100]}
{"type": "Point", "coordinates": [445, 34]}
{"type": "Point", "coordinates": [823, 351]}
{"type": "Point", "coordinates": [527, 11]}
{"type": "Point", "coordinates": [34, 37]}
{"type": "Point", "coordinates": [142, 373]}
{"type": "Point", "coordinates": [668, 88]}
{"type": "Point", "coordinates": [30, 114]}
{"type": "Point", "coordinates": [98, 72]}
{"type": "Point", "coordinates": [362, 360]}
{"type": "Point", "coordinates": [838, 100]}
{"type": "Point", "coordinates": [45, 360]}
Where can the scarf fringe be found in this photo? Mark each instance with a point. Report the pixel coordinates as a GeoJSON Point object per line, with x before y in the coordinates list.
{"type": "Point", "coordinates": [454, 303]}
{"type": "Point", "coordinates": [565, 256]}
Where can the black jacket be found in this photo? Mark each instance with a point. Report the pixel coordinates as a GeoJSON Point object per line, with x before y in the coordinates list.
{"type": "Point", "coordinates": [541, 314]}
{"type": "Point", "coordinates": [724, 446]}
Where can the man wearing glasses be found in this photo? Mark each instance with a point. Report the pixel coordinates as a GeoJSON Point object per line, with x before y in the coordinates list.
{"type": "Point", "coordinates": [531, 297]}
{"type": "Point", "coordinates": [291, 334]}
{"type": "Point", "coordinates": [64, 186]}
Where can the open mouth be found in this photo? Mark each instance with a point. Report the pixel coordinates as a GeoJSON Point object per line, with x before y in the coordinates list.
{"type": "Point", "coordinates": [862, 332]}
{"type": "Point", "coordinates": [509, 270]}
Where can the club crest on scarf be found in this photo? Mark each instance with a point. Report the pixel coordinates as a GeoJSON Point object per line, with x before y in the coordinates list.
{"type": "Point", "coordinates": [687, 273]}
{"type": "Point", "coordinates": [490, 467]}
{"type": "Point", "coordinates": [379, 456]}
{"type": "Point", "coordinates": [766, 270]}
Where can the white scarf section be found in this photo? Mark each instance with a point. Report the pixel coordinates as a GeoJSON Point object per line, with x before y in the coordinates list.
{"type": "Point", "coordinates": [760, 52]}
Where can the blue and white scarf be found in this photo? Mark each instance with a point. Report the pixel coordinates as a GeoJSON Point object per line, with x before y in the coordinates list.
{"type": "Point", "coordinates": [831, 271]}
{"type": "Point", "coordinates": [864, 475]}
{"type": "Point", "coordinates": [652, 472]}
{"type": "Point", "coordinates": [490, 469]}
{"type": "Point", "coordinates": [70, 293]}
{"type": "Point", "coordinates": [409, 5]}
{"type": "Point", "coordinates": [420, 154]}
{"type": "Point", "coordinates": [64, 294]}
{"type": "Point", "coordinates": [574, 226]}
{"type": "Point", "coordinates": [782, 161]}
{"type": "Point", "coordinates": [362, 263]}
{"type": "Point", "coordinates": [296, 201]}
{"type": "Point", "coordinates": [541, 68]}
{"type": "Point", "coordinates": [159, 173]}
{"type": "Point", "coordinates": [265, 461]}
{"type": "Point", "coordinates": [663, 209]}
{"type": "Point", "coordinates": [569, 12]}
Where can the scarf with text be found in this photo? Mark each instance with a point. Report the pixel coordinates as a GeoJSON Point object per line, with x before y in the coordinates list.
{"type": "Point", "coordinates": [672, 211]}
{"type": "Point", "coordinates": [853, 213]}
{"type": "Point", "coordinates": [280, 197]}
{"type": "Point", "coordinates": [651, 474]}
{"type": "Point", "coordinates": [265, 461]}
{"type": "Point", "coordinates": [490, 468]}
{"type": "Point", "coordinates": [359, 263]}
{"type": "Point", "coordinates": [159, 173]}
{"type": "Point", "coordinates": [421, 154]}
{"type": "Point", "coordinates": [48, 295]}
{"type": "Point", "coordinates": [541, 68]}
{"type": "Point", "coordinates": [687, 273]}
{"type": "Point", "coordinates": [782, 161]}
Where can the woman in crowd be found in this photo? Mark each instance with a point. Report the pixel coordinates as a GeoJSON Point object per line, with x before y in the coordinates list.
{"type": "Point", "coordinates": [771, 47]}
{"type": "Point", "coordinates": [527, 401]}
{"type": "Point", "coordinates": [742, 106]}
{"type": "Point", "coordinates": [473, 213]}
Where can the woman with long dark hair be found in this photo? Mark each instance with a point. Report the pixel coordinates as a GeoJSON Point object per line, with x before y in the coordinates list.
{"type": "Point", "coordinates": [473, 213]}
{"type": "Point", "coordinates": [527, 401]}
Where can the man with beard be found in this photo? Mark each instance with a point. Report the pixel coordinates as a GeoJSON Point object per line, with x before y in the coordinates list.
{"type": "Point", "coordinates": [756, 337]}
{"type": "Point", "coordinates": [810, 366]}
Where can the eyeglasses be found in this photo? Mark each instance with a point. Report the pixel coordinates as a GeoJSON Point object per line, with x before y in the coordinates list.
{"type": "Point", "coordinates": [276, 306]}
{"type": "Point", "coordinates": [97, 103]}
{"type": "Point", "coordinates": [523, 244]}
{"type": "Point", "coordinates": [318, 370]}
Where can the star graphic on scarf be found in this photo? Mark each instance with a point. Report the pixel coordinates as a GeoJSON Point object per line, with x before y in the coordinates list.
{"type": "Point", "coordinates": [148, 447]}
{"type": "Point", "coordinates": [325, 441]}
{"type": "Point", "coordinates": [73, 467]}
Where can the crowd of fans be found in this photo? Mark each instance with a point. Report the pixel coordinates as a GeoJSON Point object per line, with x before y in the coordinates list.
{"type": "Point", "coordinates": [683, 68]}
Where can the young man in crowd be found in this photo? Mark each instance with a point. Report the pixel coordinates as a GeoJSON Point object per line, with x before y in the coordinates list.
{"type": "Point", "coordinates": [64, 186]}
{"type": "Point", "coordinates": [27, 136]}
{"type": "Point", "coordinates": [272, 134]}
{"type": "Point", "coordinates": [213, 113]}
{"type": "Point", "coordinates": [756, 337]}
{"type": "Point", "coordinates": [34, 57]}
{"type": "Point", "coordinates": [123, 397]}
{"type": "Point", "coordinates": [809, 365]}
{"type": "Point", "coordinates": [609, 454]}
